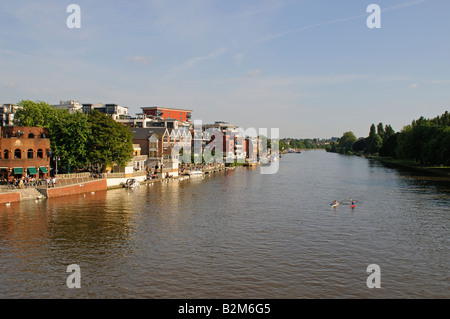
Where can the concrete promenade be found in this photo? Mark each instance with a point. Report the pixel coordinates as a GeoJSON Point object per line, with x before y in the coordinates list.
{"type": "Point", "coordinates": [83, 183]}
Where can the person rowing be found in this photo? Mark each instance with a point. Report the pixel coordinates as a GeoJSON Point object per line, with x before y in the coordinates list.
{"type": "Point", "coordinates": [353, 203]}
{"type": "Point", "coordinates": [335, 203]}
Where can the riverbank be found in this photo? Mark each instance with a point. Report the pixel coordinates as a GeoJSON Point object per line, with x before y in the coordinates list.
{"type": "Point", "coordinates": [411, 165]}
{"type": "Point", "coordinates": [91, 186]}
{"type": "Point", "coordinates": [435, 170]}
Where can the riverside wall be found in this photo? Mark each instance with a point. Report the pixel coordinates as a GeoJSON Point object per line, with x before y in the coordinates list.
{"type": "Point", "coordinates": [9, 197]}
{"type": "Point", "coordinates": [91, 186]}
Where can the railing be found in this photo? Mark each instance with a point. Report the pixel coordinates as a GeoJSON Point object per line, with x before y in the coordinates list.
{"type": "Point", "coordinates": [115, 175]}
{"type": "Point", "coordinates": [123, 175]}
{"type": "Point", "coordinates": [49, 183]}
{"type": "Point", "coordinates": [8, 187]}
{"type": "Point", "coordinates": [74, 175]}
{"type": "Point", "coordinates": [69, 181]}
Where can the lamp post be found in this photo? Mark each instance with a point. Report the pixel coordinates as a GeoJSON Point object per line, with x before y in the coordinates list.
{"type": "Point", "coordinates": [56, 159]}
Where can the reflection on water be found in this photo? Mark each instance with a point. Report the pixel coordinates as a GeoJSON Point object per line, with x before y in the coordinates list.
{"type": "Point", "coordinates": [237, 234]}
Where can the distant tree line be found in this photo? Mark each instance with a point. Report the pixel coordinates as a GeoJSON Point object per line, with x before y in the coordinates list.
{"type": "Point", "coordinates": [79, 139]}
{"type": "Point", "coordinates": [425, 141]}
{"type": "Point", "coordinates": [301, 144]}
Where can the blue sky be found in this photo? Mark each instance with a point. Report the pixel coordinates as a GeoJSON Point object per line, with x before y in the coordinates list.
{"type": "Point", "coordinates": [311, 68]}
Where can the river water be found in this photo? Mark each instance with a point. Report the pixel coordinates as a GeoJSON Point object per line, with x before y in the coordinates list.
{"type": "Point", "coordinates": [238, 234]}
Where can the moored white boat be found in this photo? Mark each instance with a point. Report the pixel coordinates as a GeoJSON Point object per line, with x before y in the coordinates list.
{"type": "Point", "coordinates": [132, 183]}
{"type": "Point", "coordinates": [195, 173]}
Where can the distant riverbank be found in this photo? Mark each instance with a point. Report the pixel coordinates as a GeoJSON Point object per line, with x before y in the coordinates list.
{"type": "Point", "coordinates": [435, 170]}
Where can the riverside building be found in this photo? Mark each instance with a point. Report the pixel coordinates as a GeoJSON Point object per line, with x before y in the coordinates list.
{"type": "Point", "coordinates": [24, 151]}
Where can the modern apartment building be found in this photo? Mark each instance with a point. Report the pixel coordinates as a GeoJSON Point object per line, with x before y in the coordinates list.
{"type": "Point", "coordinates": [7, 112]}
{"type": "Point", "coordinates": [71, 105]}
{"type": "Point", "coordinates": [163, 113]}
{"type": "Point", "coordinates": [114, 110]}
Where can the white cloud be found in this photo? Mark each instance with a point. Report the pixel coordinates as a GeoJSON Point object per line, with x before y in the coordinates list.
{"type": "Point", "coordinates": [192, 62]}
{"type": "Point", "coordinates": [239, 58]}
{"type": "Point", "coordinates": [414, 86]}
{"type": "Point", "coordinates": [254, 72]}
{"type": "Point", "coordinates": [144, 60]}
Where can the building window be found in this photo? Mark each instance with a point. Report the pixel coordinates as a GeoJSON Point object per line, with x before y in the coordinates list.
{"type": "Point", "coordinates": [31, 135]}
{"type": "Point", "coordinates": [30, 153]}
{"type": "Point", "coordinates": [40, 153]}
{"type": "Point", "coordinates": [17, 153]}
{"type": "Point", "coordinates": [6, 154]}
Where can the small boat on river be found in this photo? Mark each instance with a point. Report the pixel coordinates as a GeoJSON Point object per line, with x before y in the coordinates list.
{"type": "Point", "coordinates": [131, 183]}
{"type": "Point", "coordinates": [195, 173]}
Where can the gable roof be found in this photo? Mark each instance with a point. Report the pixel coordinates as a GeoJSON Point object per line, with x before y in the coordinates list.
{"type": "Point", "coordinates": [145, 133]}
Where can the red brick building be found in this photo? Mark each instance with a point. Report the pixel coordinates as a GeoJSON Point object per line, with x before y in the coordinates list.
{"type": "Point", "coordinates": [24, 151]}
{"type": "Point", "coordinates": [168, 113]}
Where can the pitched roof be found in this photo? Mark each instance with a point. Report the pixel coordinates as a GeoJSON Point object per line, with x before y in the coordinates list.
{"type": "Point", "coordinates": [145, 133]}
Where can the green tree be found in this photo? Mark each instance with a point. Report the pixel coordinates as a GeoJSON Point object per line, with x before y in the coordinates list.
{"type": "Point", "coordinates": [380, 130]}
{"type": "Point", "coordinates": [110, 142]}
{"type": "Point", "coordinates": [360, 145]}
{"type": "Point", "coordinates": [34, 114]}
{"type": "Point", "coordinates": [444, 151]}
{"type": "Point", "coordinates": [297, 144]}
{"type": "Point", "coordinates": [374, 141]}
{"type": "Point", "coordinates": [69, 134]}
{"type": "Point", "coordinates": [374, 144]}
{"type": "Point", "coordinates": [345, 143]}
{"type": "Point", "coordinates": [405, 144]}
{"type": "Point", "coordinates": [307, 143]}
{"type": "Point", "coordinates": [389, 146]}
{"type": "Point", "coordinates": [283, 145]}
{"type": "Point", "coordinates": [388, 131]}
{"type": "Point", "coordinates": [332, 147]}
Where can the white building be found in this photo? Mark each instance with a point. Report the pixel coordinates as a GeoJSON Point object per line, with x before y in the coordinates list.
{"type": "Point", "coordinates": [114, 110]}
{"type": "Point", "coordinates": [139, 121]}
{"type": "Point", "coordinates": [71, 105]}
{"type": "Point", "coordinates": [7, 112]}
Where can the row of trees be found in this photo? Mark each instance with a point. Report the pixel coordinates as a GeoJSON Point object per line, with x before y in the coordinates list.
{"type": "Point", "coordinates": [299, 144]}
{"type": "Point", "coordinates": [426, 141]}
{"type": "Point", "coordinates": [79, 139]}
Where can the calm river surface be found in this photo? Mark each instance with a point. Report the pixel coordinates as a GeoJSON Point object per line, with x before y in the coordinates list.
{"type": "Point", "coordinates": [238, 234]}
